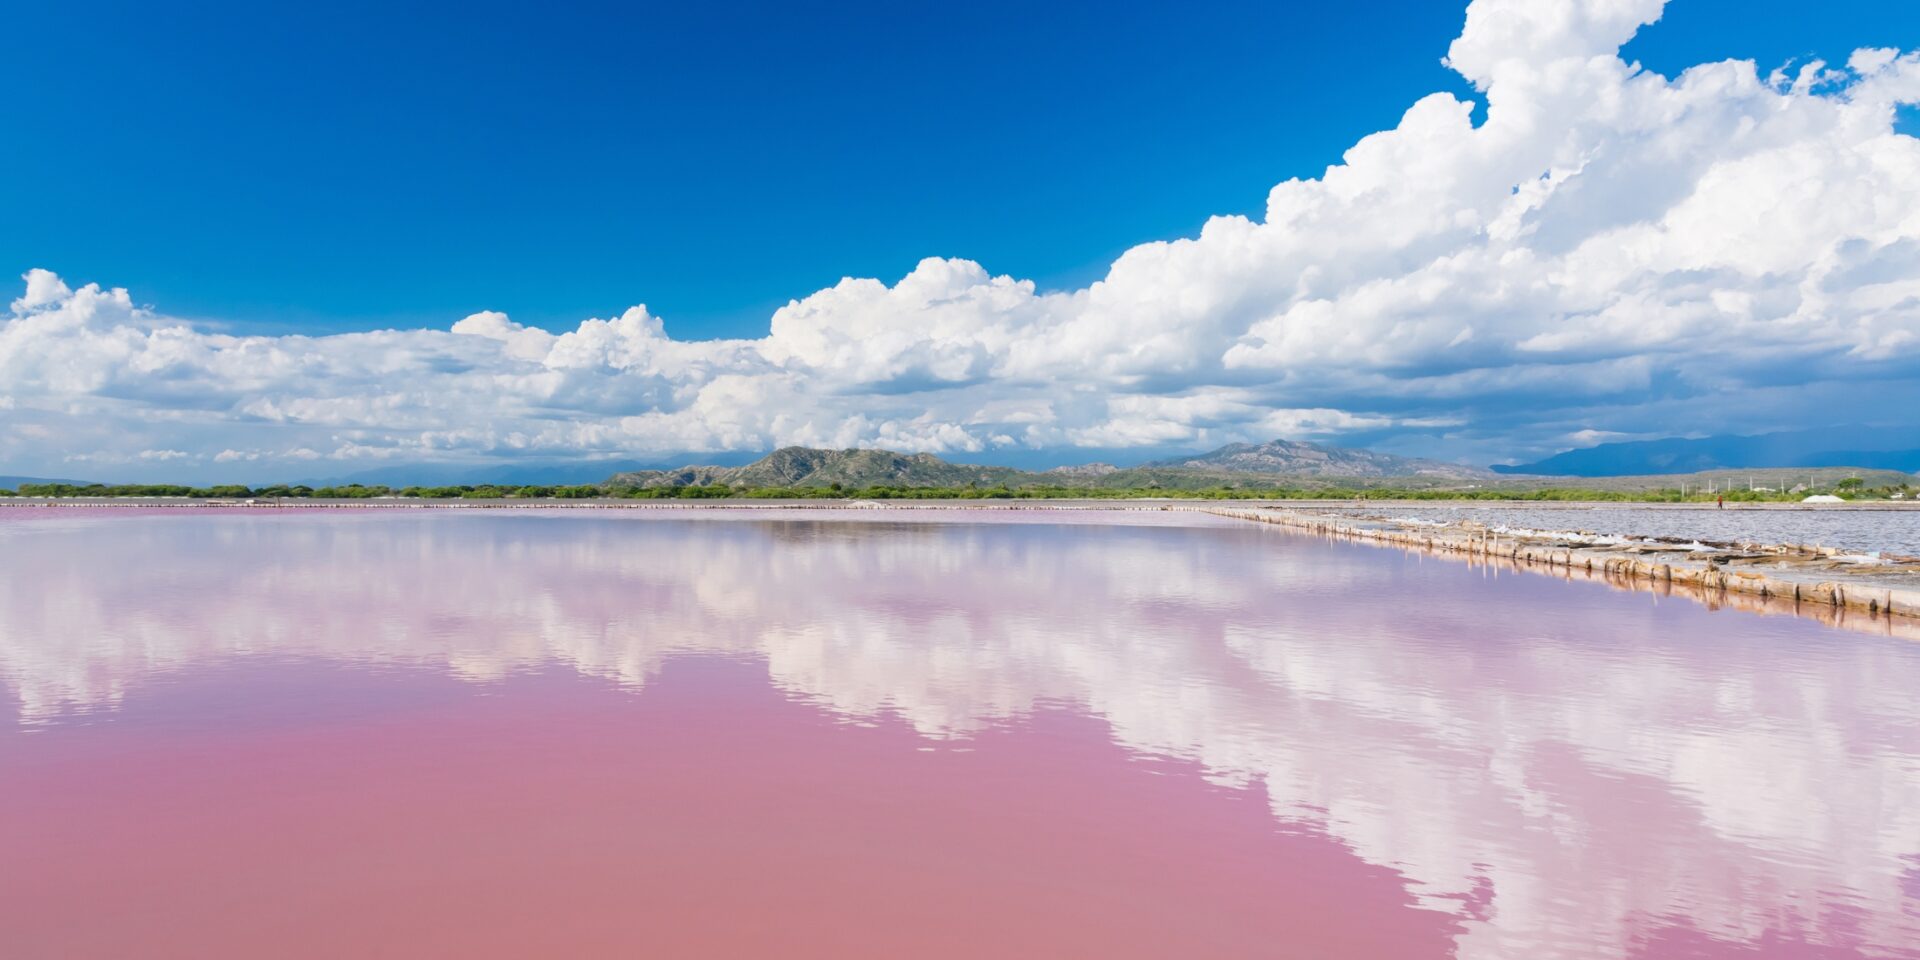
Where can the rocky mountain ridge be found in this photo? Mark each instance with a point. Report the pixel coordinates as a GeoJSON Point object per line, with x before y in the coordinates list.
{"type": "Point", "coordinates": [1277, 463]}
{"type": "Point", "coordinates": [1295, 458]}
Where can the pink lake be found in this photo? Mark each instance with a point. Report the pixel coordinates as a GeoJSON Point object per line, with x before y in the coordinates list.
{"type": "Point", "coordinates": [595, 733]}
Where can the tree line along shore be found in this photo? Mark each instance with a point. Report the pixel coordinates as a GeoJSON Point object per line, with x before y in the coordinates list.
{"type": "Point", "coordinates": [1277, 470]}
{"type": "Point", "coordinates": [837, 491]}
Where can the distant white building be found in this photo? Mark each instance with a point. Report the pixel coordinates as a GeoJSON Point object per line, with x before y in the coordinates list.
{"type": "Point", "coordinates": [1823, 498]}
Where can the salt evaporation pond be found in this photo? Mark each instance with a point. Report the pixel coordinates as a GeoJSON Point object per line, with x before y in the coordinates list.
{"type": "Point", "coordinates": [1886, 527]}
{"type": "Point", "coordinates": [650, 733]}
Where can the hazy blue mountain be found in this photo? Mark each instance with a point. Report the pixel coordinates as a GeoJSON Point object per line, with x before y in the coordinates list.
{"type": "Point", "coordinates": [1301, 459]}
{"type": "Point", "coordinates": [1843, 446]}
{"type": "Point", "coordinates": [546, 473]}
{"type": "Point", "coordinates": [11, 483]}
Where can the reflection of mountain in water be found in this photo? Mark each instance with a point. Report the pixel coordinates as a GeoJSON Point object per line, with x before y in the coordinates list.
{"type": "Point", "coordinates": [1568, 764]}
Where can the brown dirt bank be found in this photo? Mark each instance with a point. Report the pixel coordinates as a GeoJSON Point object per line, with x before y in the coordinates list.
{"type": "Point", "coordinates": [1881, 597]}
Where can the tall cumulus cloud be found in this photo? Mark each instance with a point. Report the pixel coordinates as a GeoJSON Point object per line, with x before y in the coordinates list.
{"type": "Point", "coordinates": [1609, 252]}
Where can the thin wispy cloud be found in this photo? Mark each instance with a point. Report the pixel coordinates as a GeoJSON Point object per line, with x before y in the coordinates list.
{"type": "Point", "coordinates": [1609, 252]}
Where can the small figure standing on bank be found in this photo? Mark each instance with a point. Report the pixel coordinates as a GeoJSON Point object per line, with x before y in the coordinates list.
{"type": "Point", "coordinates": [1723, 502]}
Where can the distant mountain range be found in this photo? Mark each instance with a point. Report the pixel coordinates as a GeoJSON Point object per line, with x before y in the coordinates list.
{"type": "Point", "coordinates": [10, 483]}
{"type": "Point", "coordinates": [1874, 448]}
{"type": "Point", "coordinates": [1277, 463]}
{"type": "Point", "coordinates": [808, 467]}
{"type": "Point", "coordinates": [1293, 458]}
{"type": "Point", "coordinates": [1782, 459]}
{"type": "Point", "coordinates": [548, 473]}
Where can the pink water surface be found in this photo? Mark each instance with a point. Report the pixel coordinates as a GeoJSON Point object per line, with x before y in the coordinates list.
{"type": "Point", "coordinates": [587, 735]}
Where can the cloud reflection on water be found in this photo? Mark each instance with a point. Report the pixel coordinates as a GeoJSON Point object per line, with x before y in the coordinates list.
{"type": "Point", "coordinates": [1570, 767]}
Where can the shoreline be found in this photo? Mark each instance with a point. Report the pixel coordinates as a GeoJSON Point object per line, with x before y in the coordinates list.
{"type": "Point", "coordinates": [615, 503]}
{"type": "Point", "coordinates": [1818, 583]}
{"type": "Point", "coordinates": [910, 503]}
{"type": "Point", "coordinates": [1781, 579]}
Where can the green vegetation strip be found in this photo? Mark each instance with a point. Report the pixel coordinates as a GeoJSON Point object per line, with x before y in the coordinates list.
{"type": "Point", "coordinates": [838, 492]}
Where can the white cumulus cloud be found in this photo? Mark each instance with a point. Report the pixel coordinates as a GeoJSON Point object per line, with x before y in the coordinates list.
{"type": "Point", "coordinates": [1609, 252]}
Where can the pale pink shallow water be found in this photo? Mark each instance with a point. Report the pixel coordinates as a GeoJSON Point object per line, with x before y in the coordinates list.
{"type": "Point", "coordinates": [595, 734]}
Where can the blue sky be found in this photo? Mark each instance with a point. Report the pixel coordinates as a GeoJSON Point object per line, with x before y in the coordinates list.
{"type": "Point", "coordinates": [341, 167]}
{"type": "Point", "coordinates": [267, 240]}
{"type": "Point", "coordinates": [712, 161]}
